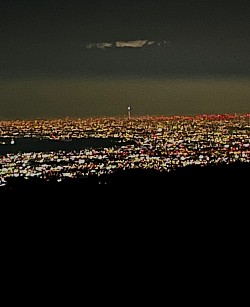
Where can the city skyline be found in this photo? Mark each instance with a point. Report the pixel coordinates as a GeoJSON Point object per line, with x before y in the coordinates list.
{"type": "Point", "coordinates": [72, 148]}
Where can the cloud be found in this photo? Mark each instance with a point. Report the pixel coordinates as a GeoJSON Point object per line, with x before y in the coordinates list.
{"type": "Point", "coordinates": [99, 45]}
{"type": "Point", "coordinates": [139, 43]}
{"type": "Point", "coordinates": [132, 44]}
{"type": "Point", "coordinates": [149, 43]}
{"type": "Point", "coordinates": [104, 45]}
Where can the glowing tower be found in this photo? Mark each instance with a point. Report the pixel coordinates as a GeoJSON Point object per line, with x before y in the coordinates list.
{"type": "Point", "coordinates": [129, 112]}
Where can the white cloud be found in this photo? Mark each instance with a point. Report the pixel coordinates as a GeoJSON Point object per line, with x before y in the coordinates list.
{"type": "Point", "coordinates": [99, 45]}
{"type": "Point", "coordinates": [132, 44]}
{"type": "Point", "coordinates": [104, 45]}
{"type": "Point", "coordinates": [149, 43]}
{"type": "Point", "coordinates": [126, 44]}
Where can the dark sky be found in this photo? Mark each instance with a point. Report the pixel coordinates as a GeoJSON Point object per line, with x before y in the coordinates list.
{"type": "Point", "coordinates": [202, 47]}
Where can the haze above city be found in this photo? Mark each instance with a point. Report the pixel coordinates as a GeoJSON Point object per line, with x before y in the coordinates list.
{"type": "Point", "coordinates": [94, 58]}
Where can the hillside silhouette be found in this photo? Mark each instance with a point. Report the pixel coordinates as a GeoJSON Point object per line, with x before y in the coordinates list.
{"type": "Point", "coordinates": [209, 179]}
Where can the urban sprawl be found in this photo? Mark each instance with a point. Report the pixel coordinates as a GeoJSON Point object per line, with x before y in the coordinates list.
{"type": "Point", "coordinates": [161, 143]}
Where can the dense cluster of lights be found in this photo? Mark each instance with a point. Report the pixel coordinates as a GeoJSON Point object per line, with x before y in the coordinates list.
{"type": "Point", "coordinates": [162, 143]}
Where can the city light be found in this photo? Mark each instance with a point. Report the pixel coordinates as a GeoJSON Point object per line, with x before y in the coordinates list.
{"type": "Point", "coordinates": [160, 143]}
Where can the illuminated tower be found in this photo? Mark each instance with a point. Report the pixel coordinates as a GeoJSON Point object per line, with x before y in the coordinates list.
{"type": "Point", "coordinates": [129, 112]}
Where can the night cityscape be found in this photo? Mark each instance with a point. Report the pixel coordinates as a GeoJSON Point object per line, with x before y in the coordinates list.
{"type": "Point", "coordinates": [71, 148]}
{"type": "Point", "coordinates": [125, 145]}
{"type": "Point", "coordinates": [104, 93]}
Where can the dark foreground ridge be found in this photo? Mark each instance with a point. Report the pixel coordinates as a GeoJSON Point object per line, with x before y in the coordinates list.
{"type": "Point", "coordinates": [209, 179]}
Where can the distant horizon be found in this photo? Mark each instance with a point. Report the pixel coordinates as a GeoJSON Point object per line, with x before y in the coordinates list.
{"type": "Point", "coordinates": [125, 116]}
{"type": "Point", "coordinates": [50, 98]}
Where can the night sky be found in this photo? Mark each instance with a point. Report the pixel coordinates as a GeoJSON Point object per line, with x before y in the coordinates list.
{"type": "Point", "coordinates": [94, 58]}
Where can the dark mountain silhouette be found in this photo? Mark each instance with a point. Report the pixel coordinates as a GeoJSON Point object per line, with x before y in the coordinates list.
{"type": "Point", "coordinates": [191, 179]}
